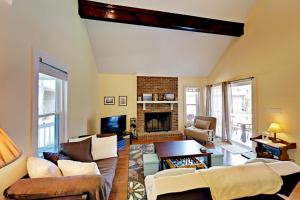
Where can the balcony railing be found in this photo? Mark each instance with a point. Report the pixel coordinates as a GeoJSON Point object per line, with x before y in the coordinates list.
{"type": "Point", "coordinates": [47, 138]}
{"type": "Point", "coordinates": [241, 128]}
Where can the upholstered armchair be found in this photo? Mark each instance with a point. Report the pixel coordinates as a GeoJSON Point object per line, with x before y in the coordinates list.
{"type": "Point", "coordinates": [203, 129]}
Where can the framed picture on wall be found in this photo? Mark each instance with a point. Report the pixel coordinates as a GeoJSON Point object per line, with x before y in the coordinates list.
{"type": "Point", "coordinates": [122, 100]}
{"type": "Point", "coordinates": [109, 100]}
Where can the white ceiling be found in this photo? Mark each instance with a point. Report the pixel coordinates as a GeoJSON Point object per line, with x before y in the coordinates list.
{"type": "Point", "coordinates": [131, 49]}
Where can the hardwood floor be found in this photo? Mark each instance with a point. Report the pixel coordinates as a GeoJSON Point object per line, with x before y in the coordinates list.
{"type": "Point", "coordinates": [119, 188]}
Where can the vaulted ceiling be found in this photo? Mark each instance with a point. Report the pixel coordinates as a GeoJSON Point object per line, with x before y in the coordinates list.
{"type": "Point", "coordinates": [132, 49]}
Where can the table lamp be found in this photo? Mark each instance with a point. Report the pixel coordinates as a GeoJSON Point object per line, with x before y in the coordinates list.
{"type": "Point", "coordinates": [9, 152]}
{"type": "Point", "coordinates": [274, 128]}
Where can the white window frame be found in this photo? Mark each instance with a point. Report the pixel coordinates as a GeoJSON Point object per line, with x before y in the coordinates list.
{"type": "Point", "coordinates": [198, 103]}
{"type": "Point", "coordinates": [37, 56]}
{"type": "Point", "coordinates": [218, 120]}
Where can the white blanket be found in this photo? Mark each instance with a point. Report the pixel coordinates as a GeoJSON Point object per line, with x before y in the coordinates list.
{"type": "Point", "coordinates": [242, 181]}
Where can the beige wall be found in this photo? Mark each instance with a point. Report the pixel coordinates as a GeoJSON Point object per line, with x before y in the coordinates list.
{"type": "Point", "coordinates": [118, 85]}
{"type": "Point", "coordinates": [9, 174]}
{"type": "Point", "coordinates": [269, 51]}
{"type": "Point", "coordinates": [52, 26]}
{"type": "Point", "coordinates": [185, 82]}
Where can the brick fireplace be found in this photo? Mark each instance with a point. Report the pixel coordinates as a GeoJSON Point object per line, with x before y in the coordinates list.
{"type": "Point", "coordinates": [157, 121]}
{"type": "Point", "coordinates": [160, 86]}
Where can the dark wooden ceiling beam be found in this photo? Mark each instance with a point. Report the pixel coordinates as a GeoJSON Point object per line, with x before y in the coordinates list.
{"type": "Point", "coordinates": [138, 16]}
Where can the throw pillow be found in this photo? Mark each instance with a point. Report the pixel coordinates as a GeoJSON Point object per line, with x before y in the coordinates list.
{"type": "Point", "coordinates": [54, 157]}
{"type": "Point", "coordinates": [79, 151]}
{"type": "Point", "coordinates": [104, 147]}
{"type": "Point", "coordinates": [174, 172]}
{"type": "Point", "coordinates": [41, 168]}
{"type": "Point", "coordinates": [201, 124]}
{"type": "Point", "coordinates": [74, 168]}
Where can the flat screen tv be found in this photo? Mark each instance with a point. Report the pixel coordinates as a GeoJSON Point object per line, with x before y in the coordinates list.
{"type": "Point", "coordinates": [114, 124]}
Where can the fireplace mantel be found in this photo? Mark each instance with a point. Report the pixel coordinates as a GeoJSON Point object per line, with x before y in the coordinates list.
{"type": "Point", "coordinates": [157, 102]}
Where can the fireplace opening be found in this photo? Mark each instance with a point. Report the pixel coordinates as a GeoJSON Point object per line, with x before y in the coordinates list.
{"type": "Point", "coordinates": [157, 121]}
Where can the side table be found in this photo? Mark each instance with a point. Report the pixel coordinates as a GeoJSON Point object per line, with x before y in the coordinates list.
{"type": "Point", "coordinates": [269, 149]}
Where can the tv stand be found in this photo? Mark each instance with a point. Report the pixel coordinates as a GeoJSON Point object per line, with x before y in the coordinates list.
{"type": "Point", "coordinates": [122, 140]}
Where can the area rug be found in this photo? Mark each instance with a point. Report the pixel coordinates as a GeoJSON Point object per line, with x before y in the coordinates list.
{"type": "Point", "coordinates": [136, 185]}
{"type": "Point", "coordinates": [232, 148]}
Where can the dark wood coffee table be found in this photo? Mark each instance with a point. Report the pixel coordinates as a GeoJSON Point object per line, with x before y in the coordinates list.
{"type": "Point", "coordinates": [180, 149]}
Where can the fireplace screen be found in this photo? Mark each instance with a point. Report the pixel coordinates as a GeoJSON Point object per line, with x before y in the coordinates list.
{"type": "Point", "coordinates": [158, 121]}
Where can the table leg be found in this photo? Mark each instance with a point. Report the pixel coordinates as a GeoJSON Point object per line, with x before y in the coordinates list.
{"type": "Point", "coordinates": [209, 160]}
{"type": "Point", "coordinates": [130, 138]}
{"type": "Point", "coordinates": [161, 167]}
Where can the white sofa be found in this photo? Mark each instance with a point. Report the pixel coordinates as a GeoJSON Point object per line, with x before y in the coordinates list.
{"type": "Point", "coordinates": [258, 180]}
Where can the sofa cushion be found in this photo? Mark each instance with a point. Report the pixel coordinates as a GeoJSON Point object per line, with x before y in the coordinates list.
{"type": "Point", "coordinates": [195, 194]}
{"type": "Point", "coordinates": [289, 183]}
{"type": "Point", "coordinates": [70, 186]}
{"type": "Point", "coordinates": [41, 168]}
{"type": "Point", "coordinates": [75, 168]}
{"type": "Point", "coordinates": [201, 124]}
{"type": "Point", "coordinates": [104, 147]}
{"type": "Point", "coordinates": [158, 188]}
{"type": "Point", "coordinates": [79, 139]}
{"type": "Point", "coordinates": [107, 169]}
{"type": "Point", "coordinates": [54, 157]}
{"type": "Point", "coordinates": [290, 174]}
{"type": "Point", "coordinates": [197, 134]}
{"type": "Point", "coordinates": [78, 151]}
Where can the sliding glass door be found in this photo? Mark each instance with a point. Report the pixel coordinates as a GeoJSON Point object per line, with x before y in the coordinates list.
{"type": "Point", "coordinates": [240, 111]}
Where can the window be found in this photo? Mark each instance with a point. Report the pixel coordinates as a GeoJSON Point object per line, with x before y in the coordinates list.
{"type": "Point", "coordinates": [216, 107]}
{"type": "Point", "coordinates": [50, 103]}
{"type": "Point", "coordinates": [240, 111]}
{"type": "Point", "coordinates": [192, 103]}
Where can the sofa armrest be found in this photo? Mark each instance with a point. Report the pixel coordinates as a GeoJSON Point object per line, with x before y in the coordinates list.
{"type": "Point", "coordinates": [41, 188]}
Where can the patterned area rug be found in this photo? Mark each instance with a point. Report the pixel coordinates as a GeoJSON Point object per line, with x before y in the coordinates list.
{"type": "Point", "coordinates": [136, 185]}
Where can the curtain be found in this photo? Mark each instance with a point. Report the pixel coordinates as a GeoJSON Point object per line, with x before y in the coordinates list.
{"type": "Point", "coordinates": [226, 135]}
{"type": "Point", "coordinates": [208, 100]}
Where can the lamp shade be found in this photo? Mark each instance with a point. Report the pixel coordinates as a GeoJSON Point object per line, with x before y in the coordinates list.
{"type": "Point", "coordinates": [9, 152]}
{"type": "Point", "coordinates": [274, 128]}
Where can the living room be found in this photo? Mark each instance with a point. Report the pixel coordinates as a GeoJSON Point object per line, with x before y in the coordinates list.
{"type": "Point", "coordinates": [102, 60]}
